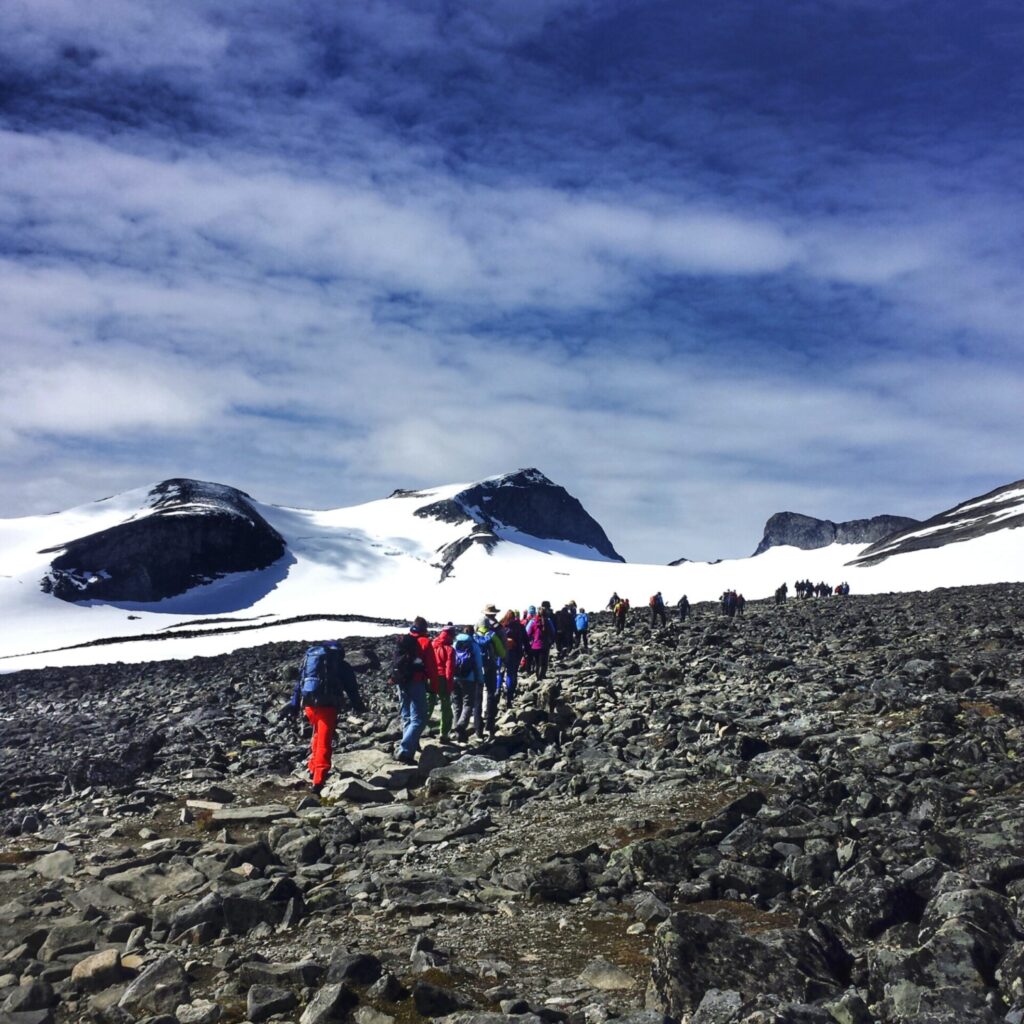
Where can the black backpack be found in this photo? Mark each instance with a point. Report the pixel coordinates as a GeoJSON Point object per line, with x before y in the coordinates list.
{"type": "Point", "coordinates": [407, 660]}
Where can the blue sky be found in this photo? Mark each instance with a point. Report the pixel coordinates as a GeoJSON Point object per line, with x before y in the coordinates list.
{"type": "Point", "coordinates": [697, 262]}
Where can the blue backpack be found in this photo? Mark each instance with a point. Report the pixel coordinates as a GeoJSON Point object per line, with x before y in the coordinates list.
{"type": "Point", "coordinates": [465, 663]}
{"type": "Point", "coordinates": [320, 684]}
{"type": "Point", "coordinates": [582, 621]}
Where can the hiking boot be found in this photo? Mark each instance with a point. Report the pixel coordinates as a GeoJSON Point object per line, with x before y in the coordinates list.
{"type": "Point", "coordinates": [403, 758]}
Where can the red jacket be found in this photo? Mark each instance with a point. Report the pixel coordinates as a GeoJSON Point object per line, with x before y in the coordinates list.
{"type": "Point", "coordinates": [429, 673]}
{"type": "Point", "coordinates": [444, 656]}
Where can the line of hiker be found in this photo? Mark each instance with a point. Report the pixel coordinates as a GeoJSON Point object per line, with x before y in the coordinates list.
{"type": "Point", "coordinates": [462, 673]}
{"type": "Point", "coordinates": [620, 609]}
{"type": "Point", "coordinates": [465, 672]}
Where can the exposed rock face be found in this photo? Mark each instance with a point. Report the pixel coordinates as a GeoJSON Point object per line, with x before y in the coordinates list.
{"type": "Point", "coordinates": [1001, 509]}
{"type": "Point", "coordinates": [526, 501]}
{"type": "Point", "coordinates": [795, 530]}
{"type": "Point", "coordinates": [190, 532]}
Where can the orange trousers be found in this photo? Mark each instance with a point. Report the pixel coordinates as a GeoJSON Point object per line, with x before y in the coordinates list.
{"type": "Point", "coordinates": [324, 721]}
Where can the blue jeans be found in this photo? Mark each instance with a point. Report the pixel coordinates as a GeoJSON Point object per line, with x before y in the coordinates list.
{"type": "Point", "coordinates": [508, 675]}
{"type": "Point", "coordinates": [413, 698]}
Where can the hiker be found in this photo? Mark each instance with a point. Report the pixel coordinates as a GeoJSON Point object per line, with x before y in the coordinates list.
{"type": "Point", "coordinates": [527, 664]}
{"type": "Point", "coordinates": [468, 671]}
{"type": "Point", "coordinates": [326, 681]}
{"type": "Point", "coordinates": [539, 631]}
{"type": "Point", "coordinates": [612, 601]}
{"type": "Point", "coordinates": [477, 652]}
{"type": "Point", "coordinates": [684, 608]}
{"type": "Point", "coordinates": [657, 607]}
{"type": "Point", "coordinates": [441, 693]}
{"type": "Point", "coordinates": [492, 651]}
{"type": "Point", "coordinates": [583, 629]}
{"type": "Point", "coordinates": [781, 592]}
{"type": "Point", "coordinates": [513, 635]}
{"type": "Point", "coordinates": [741, 603]}
{"type": "Point", "coordinates": [412, 668]}
{"type": "Point", "coordinates": [564, 630]}
{"type": "Point", "coordinates": [620, 611]}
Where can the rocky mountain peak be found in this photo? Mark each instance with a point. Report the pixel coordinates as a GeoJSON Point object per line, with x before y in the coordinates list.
{"type": "Point", "coordinates": [792, 529]}
{"type": "Point", "coordinates": [528, 502]}
{"type": "Point", "coordinates": [187, 532]}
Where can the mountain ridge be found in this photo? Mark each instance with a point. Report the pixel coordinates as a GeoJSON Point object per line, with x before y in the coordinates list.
{"type": "Point", "coordinates": [793, 529]}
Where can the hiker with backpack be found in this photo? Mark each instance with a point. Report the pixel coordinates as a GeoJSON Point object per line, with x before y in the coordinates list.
{"type": "Point", "coordinates": [326, 681]}
{"type": "Point", "coordinates": [583, 629]}
{"type": "Point", "coordinates": [540, 632]}
{"type": "Point", "coordinates": [492, 653]}
{"type": "Point", "coordinates": [412, 667]}
{"type": "Point", "coordinates": [657, 607]}
{"type": "Point", "coordinates": [513, 635]}
{"type": "Point", "coordinates": [476, 659]}
{"type": "Point", "coordinates": [527, 664]}
{"type": "Point", "coordinates": [620, 611]}
{"type": "Point", "coordinates": [441, 693]}
{"type": "Point", "coordinates": [468, 674]}
{"type": "Point", "coordinates": [684, 608]}
{"type": "Point", "coordinates": [565, 630]}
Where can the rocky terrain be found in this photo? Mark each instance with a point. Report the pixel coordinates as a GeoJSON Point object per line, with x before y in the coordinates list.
{"type": "Point", "coordinates": [809, 814]}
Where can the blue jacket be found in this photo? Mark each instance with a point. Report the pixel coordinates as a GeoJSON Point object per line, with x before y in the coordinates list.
{"type": "Point", "coordinates": [582, 621]}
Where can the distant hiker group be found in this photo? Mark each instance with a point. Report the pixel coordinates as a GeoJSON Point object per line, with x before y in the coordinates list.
{"type": "Point", "coordinates": [805, 589]}
{"type": "Point", "coordinates": [466, 671]}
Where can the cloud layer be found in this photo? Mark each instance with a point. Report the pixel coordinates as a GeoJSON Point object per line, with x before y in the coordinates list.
{"type": "Point", "coordinates": [696, 264]}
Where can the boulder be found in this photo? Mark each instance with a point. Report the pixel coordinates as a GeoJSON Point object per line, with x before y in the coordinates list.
{"type": "Point", "coordinates": [694, 953]}
{"type": "Point", "coordinates": [160, 988]}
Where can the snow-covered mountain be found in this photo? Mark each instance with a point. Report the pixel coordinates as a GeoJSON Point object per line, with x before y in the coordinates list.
{"type": "Point", "coordinates": [995, 512]}
{"type": "Point", "coordinates": [248, 573]}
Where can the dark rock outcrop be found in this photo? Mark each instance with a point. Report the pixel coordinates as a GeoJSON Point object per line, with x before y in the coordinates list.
{"type": "Point", "coordinates": [795, 530]}
{"type": "Point", "coordinates": [525, 501]}
{"type": "Point", "coordinates": [1001, 509]}
{"type": "Point", "coordinates": [190, 532]}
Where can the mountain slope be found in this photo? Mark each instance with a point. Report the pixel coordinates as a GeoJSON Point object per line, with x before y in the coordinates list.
{"type": "Point", "coordinates": [1000, 509]}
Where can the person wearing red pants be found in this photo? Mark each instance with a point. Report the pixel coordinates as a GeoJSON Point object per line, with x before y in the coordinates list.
{"type": "Point", "coordinates": [324, 721]}
{"type": "Point", "coordinates": [325, 680]}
